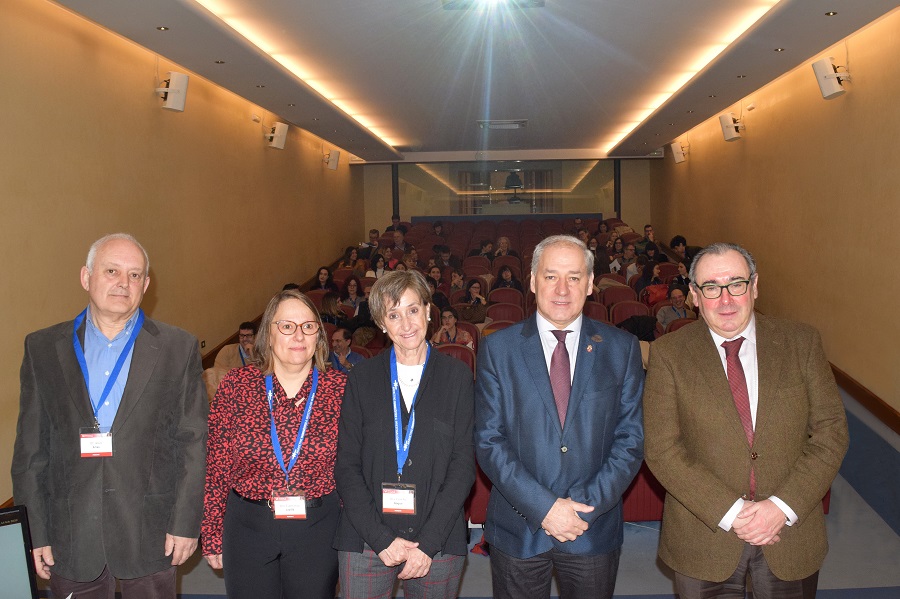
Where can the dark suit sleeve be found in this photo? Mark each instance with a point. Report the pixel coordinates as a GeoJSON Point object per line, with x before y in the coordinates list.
{"type": "Point", "coordinates": [814, 471]}
{"type": "Point", "coordinates": [460, 472]}
{"type": "Point", "coordinates": [605, 489]}
{"type": "Point", "coordinates": [31, 453]}
{"type": "Point", "coordinates": [190, 439]}
{"type": "Point", "coordinates": [496, 457]}
{"type": "Point", "coordinates": [358, 503]}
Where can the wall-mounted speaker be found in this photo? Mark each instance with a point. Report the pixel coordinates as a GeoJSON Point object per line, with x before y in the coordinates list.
{"type": "Point", "coordinates": [174, 94]}
{"type": "Point", "coordinates": [332, 158]}
{"type": "Point", "coordinates": [278, 136]}
{"type": "Point", "coordinates": [730, 126]}
{"type": "Point", "coordinates": [678, 152]}
{"type": "Point", "coordinates": [831, 82]}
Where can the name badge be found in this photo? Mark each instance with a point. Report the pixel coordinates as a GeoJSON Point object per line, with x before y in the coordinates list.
{"type": "Point", "coordinates": [397, 498]}
{"type": "Point", "coordinates": [289, 504]}
{"type": "Point", "coordinates": [96, 443]}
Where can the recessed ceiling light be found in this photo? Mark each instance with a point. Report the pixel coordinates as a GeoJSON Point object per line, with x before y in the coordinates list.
{"type": "Point", "coordinates": [712, 96]}
{"type": "Point", "coordinates": [741, 76]}
{"type": "Point", "coordinates": [291, 105]}
{"type": "Point", "coordinates": [260, 86]}
{"type": "Point", "coordinates": [690, 112]}
{"type": "Point", "coordinates": [830, 13]}
{"type": "Point", "coordinates": [779, 49]}
{"type": "Point", "coordinates": [220, 62]}
{"type": "Point", "coordinates": [162, 28]}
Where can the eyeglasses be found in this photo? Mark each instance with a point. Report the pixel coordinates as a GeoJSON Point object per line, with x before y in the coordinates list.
{"type": "Point", "coordinates": [735, 289]}
{"type": "Point", "coordinates": [288, 327]}
{"type": "Point", "coordinates": [246, 335]}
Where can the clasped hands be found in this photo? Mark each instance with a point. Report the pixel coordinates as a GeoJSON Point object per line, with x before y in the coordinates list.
{"type": "Point", "coordinates": [759, 523]}
{"type": "Point", "coordinates": [400, 550]}
{"type": "Point", "coordinates": [563, 523]}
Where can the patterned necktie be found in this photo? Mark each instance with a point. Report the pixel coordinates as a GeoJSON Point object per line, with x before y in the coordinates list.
{"type": "Point", "coordinates": [738, 383]}
{"type": "Point", "coordinates": [560, 375]}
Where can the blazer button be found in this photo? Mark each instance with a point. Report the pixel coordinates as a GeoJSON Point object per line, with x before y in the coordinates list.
{"type": "Point", "coordinates": [411, 530]}
{"type": "Point", "coordinates": [753, 455]}
{"type": "Point", "coordinates": [564, 449]}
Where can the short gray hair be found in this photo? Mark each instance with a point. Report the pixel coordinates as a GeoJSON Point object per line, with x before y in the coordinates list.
{"type": "Point", "coordinates": [387, 291]}
{"type": "Point", "coordinates": [562, 240]}
{"type": "Point", "coordinates": [717, 249]}
{"type": "Point", "coordinates": [95, 247]}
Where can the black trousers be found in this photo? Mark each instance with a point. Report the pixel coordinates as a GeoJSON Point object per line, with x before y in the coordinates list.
{"type": "Point", "coordinates": [265, 557]}
{"type": "Point", "coordinates": [579, 576]}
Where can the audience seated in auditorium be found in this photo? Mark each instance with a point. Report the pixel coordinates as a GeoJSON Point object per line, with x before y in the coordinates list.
{"type": "Point", "coordinates": [438, 228]}
{"type": "Point", "coordinates": [331, 311]}
{"type": "Point", "coordinates": [678, 309]}
{"type": "Point", "coordinates": [636, 267]}
{"type": "Point", "coordinates": [621, 263]}
{"type": "Point", "coordinates": [395, 225]}
{"type": "Point", "coordinates": [350, 259]}
{"type": "Point", "coordinates": [648, 237]}
{"type": "Point", "coordinates": [651, 250]}
{"type": "Point", "coordinates": [583, 235]}
{"type": "Point", "coordinates": [649, 276]}
{"type": "Point", "coordinates": [351, 294]}
{"type": "Point", "coordinates": [325, 280]}
{"type": "Point", "coordinates": [378, 267]}
{"type": "Point", "coordinates": [342, 358]}
{"type": "Point", "coordinates": [503, 248]}
{"type": "Point", "coordinates": [448, 333]}
{"type": "Point", "coordinates": [507, 279]}
{"type": "Point", "coordinates": [457, 281]}
{"type": "Point", "coordinates": [438, 298]}
{"type": "Point", "coordinates": [444, 258]}
{"type": "Point", "coordinates": [400, 266]}
{"type": "Point", "coordinates": [679, 246]}
{"type": "Point", "coordinates": [682, 278]}
{"type": "Point", "coordinates": [400, 241]}
{"type": "Point", "coordinates": [486, 249]}
{"type": "Point", "coordinates": [476, 306]}
{"type": "Point", "coordinates": [411, 259]}
{"type": "Point", "coordinates": [602, 228]}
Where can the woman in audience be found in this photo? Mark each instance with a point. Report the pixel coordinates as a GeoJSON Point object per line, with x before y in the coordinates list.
{"type": "Point", "coordinates": [257, 407]}
{"type": "Point", "coordinates": [325, 280]}
{"type": "Point", "coordinates": [653, 253]}
{"type": "Point", "coordinates": [602, 228]}
{"type": "Point", "coordinates": [438, 228]}
{"type": "Point", "coordinates": [401, 266]}
{"type": "Point", "coordinates": [331, 311]}
{"type": "Point", "coordinates": [503, 248]}
{"type": "Point", "coordinates": [448, 333]}
{"type": "Point", "coordinates": [506, 279]}
{"type": "Point", "coordinates": [682, 278]}
{"type": "Point", "coordinates": [476, 308]}
{"type": "Point", "coordinates": [378, 267]}
{"type": "Point", "coordinates": [351, 256]}
{"type": "Point", "coordinates": [411, 259]}
{"type": "Point", "coordinates": [406, 459]}
{"type": "Point", "coordinates": [437, 296]}
{"type": "Point", "coordinates": [351, 294]}
{"type": "Point", "coordinates": [457, 280]}
{"type": "Point", "coordinates": [618, 249]}
{"type": "Point", "coordinates": [649, 276]}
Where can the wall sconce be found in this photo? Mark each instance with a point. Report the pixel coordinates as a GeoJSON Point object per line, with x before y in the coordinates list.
{"type": "Point", "coordinates": [831, 82]}
{"type": "Point", "coordinates": [331, 159]}
{"type": "Point", "coordinates": [277, 136]}
{"type": "Point", "coordinates": [679, 152]}
{"type": "Point", "coordinates": [174, 93]}
{"type": "Point", "coordinates": [731, 127]}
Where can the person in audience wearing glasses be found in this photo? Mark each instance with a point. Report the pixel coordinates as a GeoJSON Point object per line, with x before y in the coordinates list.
{"type": "Point", "coordinates": [367, 249]}
{"type": "Point", "coordinates": [270, 507]}
{"type": "Point", "coordinates": [405, 461]}
{"type": "Point", "coordinates": [648, 237]}
{"type": "Point", "coordinates": [678, 309]}
{"type": "Point", "coordinates": [746, 430]}
{"type": "Point", "coordinates": [109, 449]}
{"type": "Point", "coordinates": [486, 249]}
{"type": "Point", "coordinates": [475, 310]}
{"type": "Point", "coordinates": [506, 279]}
{"type": "Point", "coordinates": [351, 293]}
{"type": "Point", "coordinates": [449, 333]}
{"type": "Point", "coordinates": [342, 358]}
{"type": "Point", "coordinates": [503, 248]}
{"type": "Point", "coordinates": [238, 355]}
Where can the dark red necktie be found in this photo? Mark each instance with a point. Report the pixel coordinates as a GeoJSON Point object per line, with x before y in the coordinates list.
{"type": "Point", "coordinates": [560, 375]}
{"type": "Point", "coordinates": [738, 383]}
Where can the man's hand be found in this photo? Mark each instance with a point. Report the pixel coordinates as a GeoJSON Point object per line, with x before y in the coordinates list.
{"type": "Point", "coordinates": [760, 523]}
{"type": "Point", "coordinates": [180, 548]}
{"type": "Point", "coordinates": [214, 561]}
{"type": "Point", "coordinates": [563, 523]}
{"type": "Point", "coordinates": [396, 552]}
{"type": "Point", "coordinates": [43, 559]}
{"type": "Point", "coordinates": [417, 565]}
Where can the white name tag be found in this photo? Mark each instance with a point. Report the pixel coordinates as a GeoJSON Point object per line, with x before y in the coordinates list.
{"type": "Point", "coordinates": [398, 498]}
{"type": "Point", "coordinates": [289, 505]}
{"type": "Point", "coordinates": [96, 444]}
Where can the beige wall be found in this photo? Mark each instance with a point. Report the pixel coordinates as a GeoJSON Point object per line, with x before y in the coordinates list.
{"type": "Point", "coordinates": [637, 193]}
{"type": "Point", "coordinates": [813, 190]}
{"type": "Point", "coordinates": [85, 149]}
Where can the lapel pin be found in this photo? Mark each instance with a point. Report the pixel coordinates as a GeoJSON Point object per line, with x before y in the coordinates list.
{"type": "Point", "coordinates": [590, 348]}
{"type": "Point", "coordinates": [596, 338]}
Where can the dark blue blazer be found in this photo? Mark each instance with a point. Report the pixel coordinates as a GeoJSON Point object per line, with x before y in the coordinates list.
{"type": "Point", "coordinates": [532, 460]}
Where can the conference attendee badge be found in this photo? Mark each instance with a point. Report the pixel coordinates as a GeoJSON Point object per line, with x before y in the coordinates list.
{"type": "Point", "coordinates": [96, 442]}
{"type": "Point", "coordinates": [289, 504]}
{"type": "Point", "coordinates": [398, 498]}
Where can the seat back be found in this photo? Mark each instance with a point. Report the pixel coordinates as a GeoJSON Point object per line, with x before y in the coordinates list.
{"type": "Point", "coordinates": [513, 312]}
{"type": "Point", "coordinates": [461, 352]}
{"type": "Point", "coordinates": [626, 309]}
{"type": "Point", "coordinates": [615, 294]}
{"type": "Point", "coordinates": [507, 295]}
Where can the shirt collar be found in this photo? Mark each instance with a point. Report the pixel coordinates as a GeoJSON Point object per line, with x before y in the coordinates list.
{"type": "Point", "coordinates": [545, 325]}
{"type": "Point", "coordinates": [93, 330]}
{"type": "Point", "coordinates": [748, 333]}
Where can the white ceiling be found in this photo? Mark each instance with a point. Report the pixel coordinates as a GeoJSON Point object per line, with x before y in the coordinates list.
{"type": "Point", "coordinates": [582, 72]}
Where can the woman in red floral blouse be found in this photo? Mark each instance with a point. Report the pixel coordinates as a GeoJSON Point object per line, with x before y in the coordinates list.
{"type": "Point", "coordinates": [270, 507]}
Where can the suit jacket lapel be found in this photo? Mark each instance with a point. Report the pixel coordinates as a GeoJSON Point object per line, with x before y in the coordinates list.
{"type": "Point", "coordinates": [143, 362]}
{"type": "Point", "coordinates": [533, 353]}
{"type": "Point", "coordinates": [78, 392]}
{"type": "Point", "coordinates": [769, 352]}
{"type": "Point", "coordinates": [584, 363]}
{"type": "Point", "coordinates": [705, 357]}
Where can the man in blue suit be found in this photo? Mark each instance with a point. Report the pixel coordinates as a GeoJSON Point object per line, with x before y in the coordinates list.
{"type": "Point", "coordinates": [558, 430]}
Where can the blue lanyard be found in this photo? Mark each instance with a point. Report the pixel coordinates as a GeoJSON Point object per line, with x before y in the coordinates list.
{"type": "Point", "coordinates": [276, 443]}
{"type": "Point", "coordinates": [79, 354]}
{"type": "Point", "coordinates": [403, 445]}
{"type": "Point", "coordinates": [241, 354]}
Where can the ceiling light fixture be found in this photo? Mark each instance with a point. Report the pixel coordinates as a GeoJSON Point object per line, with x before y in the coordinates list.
{"type": "Point", "coordinates": [779, 49]}
{"type": "Point", "coordinates": [503, 124]}
{"type": "Point", "coordinates": [162, 28]}
{"type": "Point", "coordinates": [830, 13]}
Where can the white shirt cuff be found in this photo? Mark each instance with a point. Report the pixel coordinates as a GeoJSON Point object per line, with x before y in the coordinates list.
{"type": "Point", "coordinates": [788, 512]}
{"type": "Point", "coordinates": [727, 520]}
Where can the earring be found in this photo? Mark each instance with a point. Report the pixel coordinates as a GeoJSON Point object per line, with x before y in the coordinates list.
{"type": "Point", "coordinates": [384, 331]}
